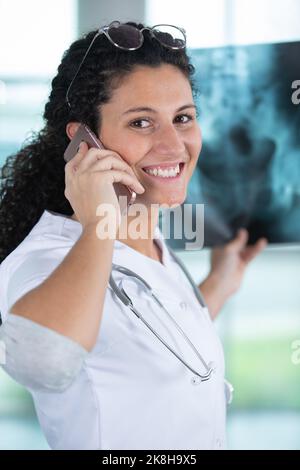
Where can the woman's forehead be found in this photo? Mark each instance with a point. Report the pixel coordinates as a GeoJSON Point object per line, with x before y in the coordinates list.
{"type": "Point", "coordinates": [144, 75]}
{"type": "Point", "coordinates": [149, 85]}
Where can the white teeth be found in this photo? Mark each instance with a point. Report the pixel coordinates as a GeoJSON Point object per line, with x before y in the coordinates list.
{"type": "Point", "coordinates": [166, 173]}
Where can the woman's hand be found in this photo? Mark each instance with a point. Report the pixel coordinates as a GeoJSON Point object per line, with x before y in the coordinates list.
{"type": "Point", "coordinates": [89, 179]}
{"type": "Point", "coordinates": [228, 265]}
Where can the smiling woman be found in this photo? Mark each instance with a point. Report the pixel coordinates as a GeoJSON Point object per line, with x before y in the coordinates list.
{"type": "Point", "coordinates": [113, 363]}
{"type": "Point", "coordinates": [84, 94]}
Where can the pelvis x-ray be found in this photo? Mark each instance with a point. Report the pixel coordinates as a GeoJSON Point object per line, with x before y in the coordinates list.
{"type": "Point", "coordinates": [248, 173]}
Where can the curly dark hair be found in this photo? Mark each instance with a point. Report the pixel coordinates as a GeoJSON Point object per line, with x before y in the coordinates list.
{"type": "Point", "coordinates": [33, 180]}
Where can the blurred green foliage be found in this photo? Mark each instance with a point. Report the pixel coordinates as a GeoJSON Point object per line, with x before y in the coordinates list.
{"type": "Point", "coordinates": [263, 374]}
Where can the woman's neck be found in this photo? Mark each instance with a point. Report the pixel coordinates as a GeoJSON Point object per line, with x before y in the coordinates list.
{"type": "Point", "coordinates": [138, 233]}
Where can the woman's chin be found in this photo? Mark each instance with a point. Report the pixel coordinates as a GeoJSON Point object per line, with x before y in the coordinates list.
{"type": "Point", "coordinates": [167, 200]}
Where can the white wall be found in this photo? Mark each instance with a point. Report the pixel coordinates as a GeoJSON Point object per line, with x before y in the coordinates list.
{"type": "Point", "coordinates": [95, 13]}
{"type": "Point", "coordinates": [34, 35]}
{"type": "Point", "coordinates": [260, 21]}
{"type": "Point", "coordinates": [212, 23]}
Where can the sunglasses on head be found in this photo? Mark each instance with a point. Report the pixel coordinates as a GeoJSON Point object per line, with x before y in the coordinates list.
{"type": "Point", "coordinates": [130, 38]}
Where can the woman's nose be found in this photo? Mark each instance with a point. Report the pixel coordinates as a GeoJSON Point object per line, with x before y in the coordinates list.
{"type": "Point", "coordinates": [169, 141]}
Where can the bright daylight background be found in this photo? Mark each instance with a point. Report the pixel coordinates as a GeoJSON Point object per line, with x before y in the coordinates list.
{"type": "Point", "coordinates": [259, 325]}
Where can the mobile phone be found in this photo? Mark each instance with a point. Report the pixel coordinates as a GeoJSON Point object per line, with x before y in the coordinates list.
{"type": "Point", "coordinates": [85, 134]}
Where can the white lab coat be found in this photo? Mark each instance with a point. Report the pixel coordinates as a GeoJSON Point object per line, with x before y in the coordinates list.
{"type": "Point", "coordinates": [131, 392]}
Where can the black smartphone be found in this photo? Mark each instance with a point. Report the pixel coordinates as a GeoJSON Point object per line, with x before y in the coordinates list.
{"type": "Point", "coordinates": [85, 134]}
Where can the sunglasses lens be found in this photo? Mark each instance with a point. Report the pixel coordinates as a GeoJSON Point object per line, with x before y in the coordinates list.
{"type": "Point", "coordinates": [125, 36]}
{"type": "Point", "coordinates": [169, 36]}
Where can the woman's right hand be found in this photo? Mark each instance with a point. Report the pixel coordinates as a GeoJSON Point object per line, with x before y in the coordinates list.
{"type": "Point", "coordinates": [89, 178]}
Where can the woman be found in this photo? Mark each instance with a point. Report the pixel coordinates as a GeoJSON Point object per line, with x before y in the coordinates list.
{"type": "Point", "coordinates": [100, 377]}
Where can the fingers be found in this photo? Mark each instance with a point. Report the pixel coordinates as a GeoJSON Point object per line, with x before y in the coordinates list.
{"type": "Point", "coordinates": [109, 163]}
{"type": "Point", "coordinates": [239, 245]}
{"type": "Point", "coordinates": [251, 252]}
{"type": "Point", "coordinates": [75, 161]}
{"type": "Point", "coordinates": [85, 157]}
{"type": "Point", "coordinates": [97, 160]}
{"type": "Point", "coordinates": [239, 242]}
{"type": "Point", "coordinates": [94, 160]}
{"type": "Point", "coordinates": [72, 166]}
{"type": "Point", "coordinates": [115, 176]}
{"type": "Point", "coordinates": [94, 155]}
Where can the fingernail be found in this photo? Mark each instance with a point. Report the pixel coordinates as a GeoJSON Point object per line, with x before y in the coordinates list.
{"type": "Point", "coordinates": [79, 146]}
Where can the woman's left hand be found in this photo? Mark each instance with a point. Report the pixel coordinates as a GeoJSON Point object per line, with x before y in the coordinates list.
{"type": "Point", "coordinates": [228, 265]}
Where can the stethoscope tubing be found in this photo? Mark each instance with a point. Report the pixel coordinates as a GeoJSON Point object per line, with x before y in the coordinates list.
{"type": "Point", "coordinates": [125, 299]}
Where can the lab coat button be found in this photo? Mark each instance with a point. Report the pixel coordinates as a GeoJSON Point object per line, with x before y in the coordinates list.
{"type": "Point", "coordinates": [183, 305]}
{"type": "Point", "coordinates": [196, 380]}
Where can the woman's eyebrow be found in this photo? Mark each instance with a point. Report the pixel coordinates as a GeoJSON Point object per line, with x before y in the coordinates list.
{"type": "Point", "coordinates": [151, 110]}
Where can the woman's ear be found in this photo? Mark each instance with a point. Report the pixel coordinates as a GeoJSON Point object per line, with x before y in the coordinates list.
{"type": "Point", "coordinates": [71, 129]}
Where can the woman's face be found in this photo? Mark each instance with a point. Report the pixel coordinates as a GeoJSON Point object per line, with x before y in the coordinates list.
{"type": "Point", "coordinates": [151, 122]}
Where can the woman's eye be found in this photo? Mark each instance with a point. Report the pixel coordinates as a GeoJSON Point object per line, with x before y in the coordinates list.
{"type": "Point", "coordinates": [184, 118]}
{"type": "Point", "coordinates": [144, 123]}
{"type": "Point", "coordinates": [140, 123]}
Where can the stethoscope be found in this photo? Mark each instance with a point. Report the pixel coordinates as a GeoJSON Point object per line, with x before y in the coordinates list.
{"type": "Point", "coordinates": [125, 299]}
